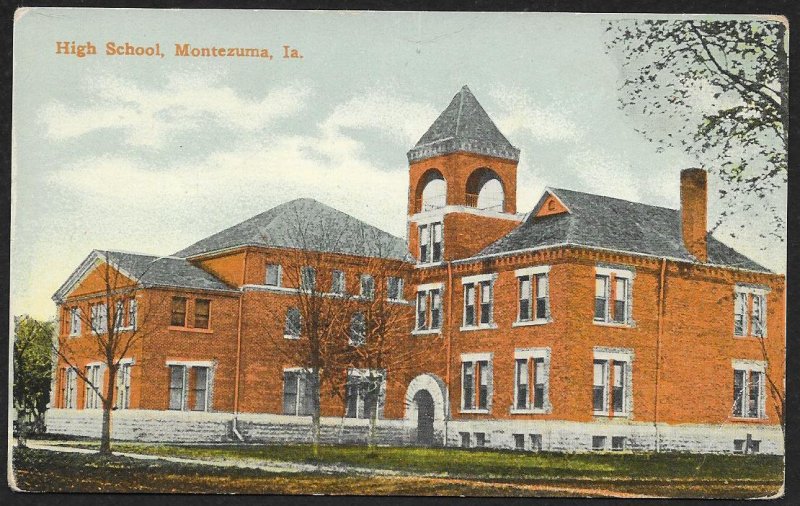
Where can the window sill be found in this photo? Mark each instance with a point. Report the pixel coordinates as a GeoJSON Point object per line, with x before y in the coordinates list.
{"type": "Point", "coordinates": [747, 419]}
{"type": "Point", "coordinates": [474, 411]}
{"type": "Point", "coordinates": [429, 264]}
{"type": "Point", "coordinates": [425, 332]}
{"type": "Point", "coordinates": [529, 323]}
{"type": "Point", "coordinates": [291, 338]}
{"type": "Point", "coordinates": [606, 414]}
{"type": "Point", "coordinates": [484, 326]}
{"type": "Point", "coordinates": [529, 411]}
{"type": "Point", "coordinates": [613, 324]}
{"type": "Point", "coordinates": [749, 338]}
{"type": "Point", "coordinates": [190, 329]}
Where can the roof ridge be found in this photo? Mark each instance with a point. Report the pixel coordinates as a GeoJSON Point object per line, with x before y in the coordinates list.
{"type": "Point", "coordinates": [610, 198]}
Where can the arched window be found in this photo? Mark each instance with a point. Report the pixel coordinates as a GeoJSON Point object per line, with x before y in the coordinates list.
{"type": "Point", "coordinates": [485, 190]}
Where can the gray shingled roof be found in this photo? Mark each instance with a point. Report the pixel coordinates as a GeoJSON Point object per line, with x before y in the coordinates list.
{"type": "Point", "coordinates": [150, 271]}
{"type": "Point", "coordinates": [305, 224]}
{"type": "Point", "coordinates": [463, 126]}
{"type": "Point", "coordinates": [608, 223]}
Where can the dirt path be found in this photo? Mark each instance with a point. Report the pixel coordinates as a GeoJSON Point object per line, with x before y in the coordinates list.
{"type": "Point", "coordinates": [297, 467]}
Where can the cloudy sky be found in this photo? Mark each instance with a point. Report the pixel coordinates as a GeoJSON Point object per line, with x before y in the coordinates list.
{"type": "Point", "coordinates": [152, 154]}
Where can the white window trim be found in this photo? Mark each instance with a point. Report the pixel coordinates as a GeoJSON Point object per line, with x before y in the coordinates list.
{"type": "Point", "coordinates": [401, 289]}
{"type": "Point", "coordinates": [755, 290]}
{"type": "Point", "coordinates": [529, 323]}
{"type": "Point", "coordinates": [75, 312]}
{"type": "Point", "coordinates": [430, 286]}
{"type": "Point", "coordinates": [532, 353]}
{"type": "Point", "coordinates": [425, 332]}
{"type": "Point", "coordinates": [478, 278]}
{"type": "Point", "coordinates": [476, 357]}
{"type": "Point", "coordinates": [191, 363]}
{"type": "Point", "coordinates": [532, 271]}
{"type": "Point", "coordinates": [482, 326]}
{"type": "Point", "coordinates": [616, 271]}
{"type": "Point", "coordinates": [749, 365]}
{"type": "Point", "coordinates": [280, 276]}
{"type": "Point", "coordinates": [617, 355]}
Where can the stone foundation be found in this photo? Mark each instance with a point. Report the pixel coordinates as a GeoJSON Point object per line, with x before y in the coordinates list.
{"type": "Point", "coordinates": [557, 436]}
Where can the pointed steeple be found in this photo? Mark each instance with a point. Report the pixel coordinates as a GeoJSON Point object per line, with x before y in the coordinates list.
{"type": "Point", "coordinates": [463, 126]}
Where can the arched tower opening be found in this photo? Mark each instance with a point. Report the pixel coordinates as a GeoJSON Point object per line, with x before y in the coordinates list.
{"type": "Point", "coordinates": [431, 191]}
{"type": "Point", "coordinates": [485, 190]}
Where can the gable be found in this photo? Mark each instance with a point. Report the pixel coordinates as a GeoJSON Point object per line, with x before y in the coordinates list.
{"type": "Point", "coordinates": [94, 280]}
{"type": "Point", "coordinates": [551, 205]}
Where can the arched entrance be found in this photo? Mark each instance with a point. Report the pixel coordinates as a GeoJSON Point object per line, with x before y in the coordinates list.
{"type": "Point", "coordinates": [425, 412]}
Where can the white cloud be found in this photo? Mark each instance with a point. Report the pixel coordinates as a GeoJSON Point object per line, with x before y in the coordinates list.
{"type": "Point", "coordinates": [604, 174]}
{"type": "Point", "coordinates": [522, 113]}
{"type": "Point", "coordinates": [148, 116]}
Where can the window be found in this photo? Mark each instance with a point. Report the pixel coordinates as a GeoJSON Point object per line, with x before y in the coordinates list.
{"type": "Point", "coordinates": [395, 288]}
{"type": "Point", "coordinates": [177, 386]}
{"type": "Point", "coordinates": [202, 311]}
{"type": "Point", "coordinates": [74, 321]}
{"type": "Point", "coordinates": [69, 387]}
{"type": "Point", "coordinates": [201, 381]}
{"type": "Point", "coordinates": [436, 248]}
{"type": "Point", "coordinates": [612, 296]}
{"type": "Point", "coordinates": [530, 379]}
{"type": "Point", "coordinates": [293, 325]}
{"type": "Point", "coordinates": [519, 441]}
{"type": "Point", "coordinates": [476, 375]}
{"type": "Point", "coordinates": [533, 296]}
{"type": "Point", "coordinates": [178, 318]}
{"type": "Point", "coordinates": [469, 305]}
{"type": "Point", "coordinates": [480, 439]}
{"type": "Point", "coordinates": [598, 443]}
{"type": "Point", "coordinates": [93, 385]}
{"type": "Point", "coordinates": [748, 445]}
{"type": "Point", "coordinates": [430, 243]}
{"type": "Point", "coordinates": [297, 399]}
{"type": "Point", "coordinates": [429, 308]}
{"type": "Point", "coordinates": [273, 277]}
{"type": "Point", "coordinates": [612, 383]}
{"type": "Point", "coordinates": [424, 246]}
{"type": "Point", "coordinates": [478, 312]}
{"type": "Point", "coordinates": [536, 442]}
{"type": "Point", "coordinates": [486, 302]}
{"type": "Point", "coordinates": [119, 315]}
{"type": "Point", "coordinates": [618, 443]}
{"type": "Point", "coordinates": [748, 390]}
{"type": "Point", "coordinates": [337, 282]}
{"type": "Point", "coordinates": [123, 400]}
{"type": "Point", "coordinates": [358, 329]}
{"type": "Point", "coordinates": [367, 286]}
{"type": "Point", "coordinates": [750, 311]}
{"type": "Point", "coordinates": [99, 318]}
{"type": "Point", "coordinates": [364, 394]}
{"type": "Point", "coordinates": [308, 279]}
{"type": "Point", "coordinates": [601, 298]}
{"type": "Point", "coordinates": [465, 437]}
{"type": "Point", "coordinates": [738, 445]}
{"type": "Point", "coordinates": [133, 313]}
{"type": "Point", "coordinates": [422, 310]}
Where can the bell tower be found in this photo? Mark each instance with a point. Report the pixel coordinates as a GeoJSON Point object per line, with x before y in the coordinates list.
{"type": "Point", "coordinates": [462, 184]}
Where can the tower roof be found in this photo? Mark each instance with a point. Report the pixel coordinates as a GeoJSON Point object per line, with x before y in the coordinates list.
{"type": "Point", "coordinates": [463, 126]}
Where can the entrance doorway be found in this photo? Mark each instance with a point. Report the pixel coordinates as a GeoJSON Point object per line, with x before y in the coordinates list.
{"type": "Point", "coordinates": [424, 403]}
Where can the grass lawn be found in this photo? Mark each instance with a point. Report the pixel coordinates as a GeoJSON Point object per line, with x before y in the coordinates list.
{"type": "Point", "coordinates": [468, 472]}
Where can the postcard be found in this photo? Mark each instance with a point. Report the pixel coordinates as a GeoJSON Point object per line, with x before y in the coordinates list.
{"type": "Point", "coordinates": [398, 253]}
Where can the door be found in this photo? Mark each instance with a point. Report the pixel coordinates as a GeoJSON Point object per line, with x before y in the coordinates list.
{"type": "Point", "coordinates": [424, 403]}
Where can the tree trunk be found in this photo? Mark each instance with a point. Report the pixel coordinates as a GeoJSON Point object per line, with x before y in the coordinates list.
{"type": "Point", "coordinates": [373, 427]}
{"type": "Point", "coordinates": [108, 403]}
{"type": "Point", "coordinates": [315, 413]}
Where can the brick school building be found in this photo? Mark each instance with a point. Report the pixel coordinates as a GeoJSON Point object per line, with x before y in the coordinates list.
{"type": "Point", "coordinates": [590, 323]}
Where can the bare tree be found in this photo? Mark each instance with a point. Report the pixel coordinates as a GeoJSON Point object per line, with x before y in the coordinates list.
{"type": "Point", "coordinates": [117, 323]}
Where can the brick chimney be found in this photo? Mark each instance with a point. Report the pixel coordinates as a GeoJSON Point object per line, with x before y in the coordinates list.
{"type": "Point", "coordinates": [694, 205]}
